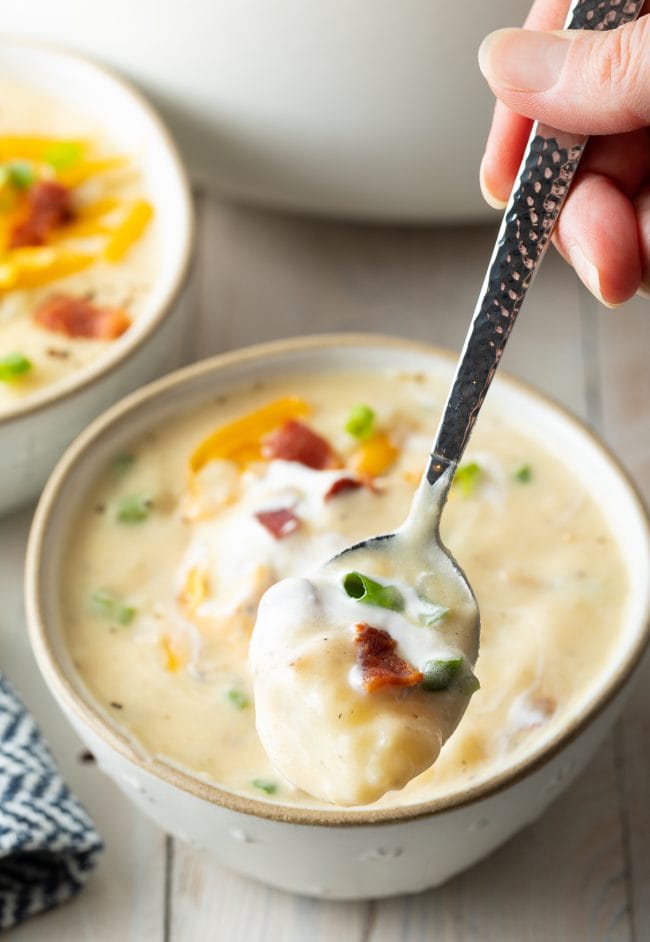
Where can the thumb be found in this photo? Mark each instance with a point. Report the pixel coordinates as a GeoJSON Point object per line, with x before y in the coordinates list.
{"type": "Point", "coordinates": [590, 82]}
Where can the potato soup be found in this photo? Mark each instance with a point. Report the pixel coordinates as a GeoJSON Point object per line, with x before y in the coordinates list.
{"type": "Point", "coordinates": [188, 527]}
{"type": "Point", "coordinates": [77, 242]}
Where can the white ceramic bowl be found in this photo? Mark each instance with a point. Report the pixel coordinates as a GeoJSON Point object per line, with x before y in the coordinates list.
{"type": "Point", "coordinates": [35, 433]}
{"type": "Point", "coordinates": [342, 853]}
{"type": "Point", "coordinates": [362, 109]}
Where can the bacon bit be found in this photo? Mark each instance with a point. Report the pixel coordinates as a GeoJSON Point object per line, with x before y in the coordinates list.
{"type": "Point", "coordinates": [240, 440]}
{"type": "Point", "coordinates": [78, 317]}
{"type": "Point", "coordinates": [279, 523]}
{"type": "Point", "coordinates": [379, 664]}
{"type": "Point", "coordinates": [49, 206]}
{"type": "Point", "coordinates": [343, 484]}
{"type": "Point", "coordinates": [540, 708]}
{"type": "Point", "coordinates": [532, 712]}
{"type": "Point", "coordinates": [294, 441]}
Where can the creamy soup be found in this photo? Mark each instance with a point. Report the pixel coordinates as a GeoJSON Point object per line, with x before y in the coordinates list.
{"type": "Point", "coordinates": [188, 527]}
{"type": "Point", "coordinates": [77, 242]}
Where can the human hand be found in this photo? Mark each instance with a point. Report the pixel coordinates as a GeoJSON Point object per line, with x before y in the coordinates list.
{"type": "Point", "coordinates": [595, 83]}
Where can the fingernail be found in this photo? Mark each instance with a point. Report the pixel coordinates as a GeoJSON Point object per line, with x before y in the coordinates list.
{"type": "Point", "coordinates": [588, 274]}
{"type": "Point", "coordinates": [490, 198]}
{"type": "Point", "coordinates": [523, 60]}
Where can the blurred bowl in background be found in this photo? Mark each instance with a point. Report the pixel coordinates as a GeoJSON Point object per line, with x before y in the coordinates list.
{"type": "Point", "coordinates": [35, 431]}
{"type": "Point", "coordinates": [364, 110]}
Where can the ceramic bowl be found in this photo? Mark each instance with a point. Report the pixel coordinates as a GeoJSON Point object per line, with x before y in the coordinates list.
{"type": "Point", "coordinates": [365, 109]}
{"type": "Point", "coordinates": [34, 434]}
{"type": "Point", "coordinates": [338, 853]}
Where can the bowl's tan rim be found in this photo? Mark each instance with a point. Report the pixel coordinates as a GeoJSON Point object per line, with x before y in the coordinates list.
{"type": "Point", "coordinates": [89, 715]}
{"type": "Point", "coordinates": [112, 358]}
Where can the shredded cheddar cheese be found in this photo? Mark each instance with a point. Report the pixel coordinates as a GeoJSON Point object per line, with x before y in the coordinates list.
{"type": "Point", "coordinates": [97, 209]}
{"type": "Point", "coordinates": [34, 148]}
{"type": "Point", "coordinates": [411, 476]}
{"type": "Point", "coordinates": [374, 456]}
{"type": "Point", "coordinates": [240, 441]}
{"type": "Point", "coordinates": [86, 169]}
{"type": "Point", "coordinates": [40, 270]}
{"type": "Point", "coordinates": [173, 657]}
{"type": "Point", "coordinates": [128, 231]}
{"type": "Point", "coordinates": [27, 261]}
{"type": "Point", "coordinates": [195, 589]}
{"type": "Point", "coordinates": [83, 229]}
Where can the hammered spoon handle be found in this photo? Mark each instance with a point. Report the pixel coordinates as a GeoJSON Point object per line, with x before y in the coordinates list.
{"type": "Point", "coordinates": [547, 170]}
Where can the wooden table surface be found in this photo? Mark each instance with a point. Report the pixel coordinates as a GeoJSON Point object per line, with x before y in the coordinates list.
{"type": "Point", "coordinates": [580, 873]}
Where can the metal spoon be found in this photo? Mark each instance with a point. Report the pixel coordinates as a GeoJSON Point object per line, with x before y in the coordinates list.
{"type": "Point", "coordinates": [307, 712]}
{"type": "Point", "coordinates": [547, 170]}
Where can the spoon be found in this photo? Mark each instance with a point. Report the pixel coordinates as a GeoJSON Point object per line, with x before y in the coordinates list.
{"type": "Point", "coordinates": [331, 728]}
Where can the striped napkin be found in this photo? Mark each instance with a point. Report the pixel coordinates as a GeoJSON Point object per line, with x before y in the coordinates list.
{"type": "Point", "coordinates": [48, 844]}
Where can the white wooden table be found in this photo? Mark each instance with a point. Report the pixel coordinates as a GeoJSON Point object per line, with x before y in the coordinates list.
{"type": "Point", "coordinates": [583, 871]}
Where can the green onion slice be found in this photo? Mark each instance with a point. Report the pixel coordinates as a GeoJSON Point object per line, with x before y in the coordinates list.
{"type": "Point", "coordinates": [238, 698]}
{"type": "Point", "coordinates": [133, 509]}
{"type": "Point", "coordinates": [265, 785]}
{"type": "Point", "coordinates": [108, 606]}
{"type": "Point", "coordinates": [433, 615]}
{"type": "Point", "coordinates": [524, 473]}
{"type": "Point", "coordinates": [469, 684]}
{"type": "Point", "coordinates": [468, 477]}
{"type": "Point", "coordinates": [13, 366]}
{"type": "Point", "coordinates": [63, 154]}
{"type": "Point", "coordinates": [439, 675]}
{"type": "Point", "coordinates": [19, 174]}
{"type": "Point", "coordinates": [122, 463]}
{"type": "Point", "coordinates": [366, 590]}
{"type": "Point", "coordinates": [360, 422]}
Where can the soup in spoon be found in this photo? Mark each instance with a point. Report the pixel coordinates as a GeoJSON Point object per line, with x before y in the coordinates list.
{"type": "Point", "coordinates": [361, 675]}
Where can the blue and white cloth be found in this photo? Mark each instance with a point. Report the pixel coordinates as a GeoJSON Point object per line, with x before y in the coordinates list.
{"type": "Point", "coordinates": [48, 844]}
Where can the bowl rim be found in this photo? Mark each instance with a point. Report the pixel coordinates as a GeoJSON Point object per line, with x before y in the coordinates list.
{"type": "Point", "coordinates": [86, 711]}
{"type": "Point", "coordinates": [97, 369]}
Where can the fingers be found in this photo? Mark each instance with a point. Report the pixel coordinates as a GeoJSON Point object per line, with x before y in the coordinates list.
{"type": "Point", "coordinates": [642, 207]}
{"type": "Point", "coordinates": [597, 83]}
{"type": "Point", "coordinates": [509, 131]}
{"type": "Point", "coordinates": [597, 233]}
{"type": "Point", "coordinates": [590, 82]}
{"type": "Point", "coordinates": [625, 158]}
{"type": "Point", "coordinates": [505, 145]}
